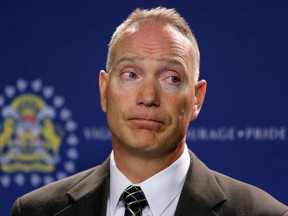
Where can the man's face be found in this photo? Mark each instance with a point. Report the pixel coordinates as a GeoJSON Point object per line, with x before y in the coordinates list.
{"type": "Point", "coordinates": [149, 94]}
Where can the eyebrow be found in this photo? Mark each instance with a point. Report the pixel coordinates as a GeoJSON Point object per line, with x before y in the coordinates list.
{"type": "Point", "coordinates": [172, 61]}
{"type": "Point", "coordinates": [129, 59]}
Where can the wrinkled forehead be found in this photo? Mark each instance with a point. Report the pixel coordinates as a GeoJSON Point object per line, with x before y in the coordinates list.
{"type": "Point", "coordinates": [157, 37]}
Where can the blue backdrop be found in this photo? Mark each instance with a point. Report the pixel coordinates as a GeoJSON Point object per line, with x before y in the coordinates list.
{"type": "Point", "coordinates": [51, 123]}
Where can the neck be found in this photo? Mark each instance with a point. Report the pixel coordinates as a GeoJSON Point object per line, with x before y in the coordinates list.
{"type": "Point", "coordinates": [139, 166]}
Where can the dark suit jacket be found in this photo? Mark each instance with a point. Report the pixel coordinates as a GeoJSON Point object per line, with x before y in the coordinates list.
{"type": "Point", "coordinates": [205, 193]}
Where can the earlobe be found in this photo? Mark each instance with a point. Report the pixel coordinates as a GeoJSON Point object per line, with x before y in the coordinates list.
{"type": "Point", "coordinates": [200, 91]}
{"type": "Point", "coordinates": [102, 87]}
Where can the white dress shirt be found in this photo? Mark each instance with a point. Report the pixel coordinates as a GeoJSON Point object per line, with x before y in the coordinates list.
{"type": "Point", "coordinates": [162, 190]}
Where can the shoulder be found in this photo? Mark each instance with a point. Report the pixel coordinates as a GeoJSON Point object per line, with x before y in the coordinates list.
{"type": "Point", "coordinates": [55, 196]}
{"type": "Point", "coordinates": [245, 199]}
{"type": "Point", "coordinates": [227, 196]}
{"type": "Point", "coordinates": [58, 188]}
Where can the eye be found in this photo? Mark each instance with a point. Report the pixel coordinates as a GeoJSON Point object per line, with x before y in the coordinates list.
{"type": "Point", "coordinates": [128, 75]}
{"type": "Point", "coordinates": [174, 79]}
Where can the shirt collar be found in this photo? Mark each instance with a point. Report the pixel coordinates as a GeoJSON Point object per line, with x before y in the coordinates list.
{"type": "Point", "coordinates": [118, 183]}
{"type": "Point", "coordinates": [159, 189]}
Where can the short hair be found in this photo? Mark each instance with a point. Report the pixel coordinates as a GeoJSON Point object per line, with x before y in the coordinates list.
{"type": "Point", "coordinates": [160, 15]}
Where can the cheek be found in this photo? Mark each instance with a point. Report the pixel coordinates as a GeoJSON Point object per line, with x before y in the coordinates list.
{"type": "Point", "coordinates": [117, 100]}
{"type": "Point", "coordinates": [114, 107]}
{"type": "Point", "coordinates": [182, 107]}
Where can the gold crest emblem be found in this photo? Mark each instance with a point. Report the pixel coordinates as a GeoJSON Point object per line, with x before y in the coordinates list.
{"type": "Point", "coordinates": [29, 140]}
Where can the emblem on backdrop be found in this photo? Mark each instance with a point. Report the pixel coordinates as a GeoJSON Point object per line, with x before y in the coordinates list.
{"type": "Point", "coordinates": [38, 140]}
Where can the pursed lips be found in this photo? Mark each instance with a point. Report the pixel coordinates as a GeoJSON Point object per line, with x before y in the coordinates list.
{"type": "Point", "coordinates": [146, 123]}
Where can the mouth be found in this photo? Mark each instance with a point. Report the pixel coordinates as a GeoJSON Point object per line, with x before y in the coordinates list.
{"type": "Point", "coordinates": [146, 123]}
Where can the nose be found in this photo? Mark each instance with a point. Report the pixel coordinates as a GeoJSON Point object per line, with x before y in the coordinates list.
{"type": "Point", "coordinates": [148, 94]}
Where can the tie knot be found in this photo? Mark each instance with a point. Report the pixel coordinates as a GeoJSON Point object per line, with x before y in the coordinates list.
{"type": "Point", "coordinates": [135, 200]}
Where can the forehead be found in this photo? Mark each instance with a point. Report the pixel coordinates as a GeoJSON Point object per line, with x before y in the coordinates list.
{"type": "Point", "coordinates": [155, 41]}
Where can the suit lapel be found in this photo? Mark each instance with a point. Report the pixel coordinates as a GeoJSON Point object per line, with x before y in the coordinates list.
{"type": "Point", "coordinates": [201, 192]}
{"type": "Point", "coordinates": [89, 197]}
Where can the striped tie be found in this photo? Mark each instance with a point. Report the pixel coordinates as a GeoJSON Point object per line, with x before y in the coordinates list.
{"type": "Point", "coordinates": [135, 201]}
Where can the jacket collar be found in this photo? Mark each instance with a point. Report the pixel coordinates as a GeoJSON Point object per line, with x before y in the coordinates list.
{"type": "Point", "coordinates": [201, 192]}
{"type": "Point", "coordinates": [89, 197]}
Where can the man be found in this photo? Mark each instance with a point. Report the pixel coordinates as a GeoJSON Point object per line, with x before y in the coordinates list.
{"type": "Point", "coordinates": [150, 94]}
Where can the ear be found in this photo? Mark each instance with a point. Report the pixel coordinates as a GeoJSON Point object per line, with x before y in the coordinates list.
{"type": "Point", "coordinates": [200, 91]}
{"type": "Point", "coordinates": [103, 77]}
